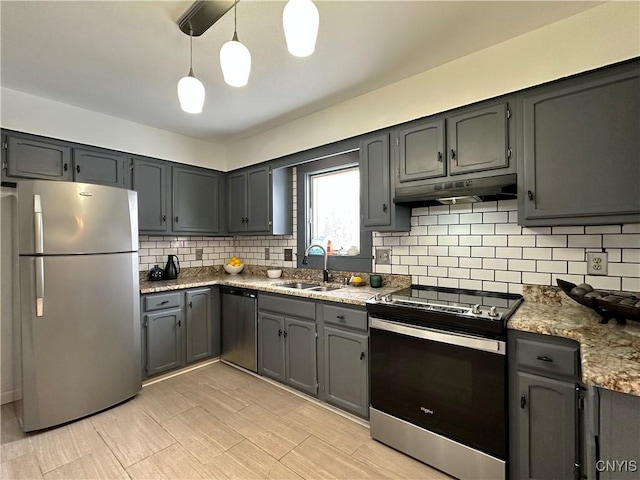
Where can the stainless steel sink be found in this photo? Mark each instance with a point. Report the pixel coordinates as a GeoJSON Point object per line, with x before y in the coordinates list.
{"type": "Point", "coordinates": [324, 289]}
{"type": "Point", "coordinates": [299, 285]}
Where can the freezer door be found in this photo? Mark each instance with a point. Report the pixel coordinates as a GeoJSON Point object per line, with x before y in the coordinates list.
{"type": "Point", "coordinates": [64, 218]}
{"type": "Point", "coordinates": [83, 354]}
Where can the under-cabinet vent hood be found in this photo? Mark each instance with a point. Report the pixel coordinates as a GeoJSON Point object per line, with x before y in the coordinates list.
{"type": "Point", "coordinates": [463, 191]}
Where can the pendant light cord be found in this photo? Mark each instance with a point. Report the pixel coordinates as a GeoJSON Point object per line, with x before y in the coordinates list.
{"type": "Point", "coordinates": [191, 53]}
{"type": "Point", "coordinates": [235, 22]}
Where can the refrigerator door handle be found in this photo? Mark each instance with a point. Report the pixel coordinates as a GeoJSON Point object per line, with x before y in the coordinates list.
{"type": "Point", "coordinates": [39, 287]}
{"type": "Point", "coordinates": [37, 216]}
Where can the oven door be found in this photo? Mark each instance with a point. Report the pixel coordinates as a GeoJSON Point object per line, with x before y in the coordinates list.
{"type": "Point", "coordinates": [450, 384]}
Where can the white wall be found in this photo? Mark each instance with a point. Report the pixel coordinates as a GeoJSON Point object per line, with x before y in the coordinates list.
{"type": "Point", "coordinates": [9, 336]}
{"type": "Point", "coordinates": [602, 35]}
{"type": "Point", "coordinates": [32, 114]}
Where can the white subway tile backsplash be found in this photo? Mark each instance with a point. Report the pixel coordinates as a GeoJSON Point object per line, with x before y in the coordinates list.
{"type": "Point", "coordinates": [469, 218]}
{"type": "Point", "coordinates": [614, 255]}
{"type": "Point", "coordinates": [509, 277]}
{"type": "Point", "coordinates": [448, 240]}
{"type": "Point", "coordinates": [508, 229]}
{"type": "Point", "coordinates": [439, 251]}
{"type": "Point", "coordinates": [418, 270]}
{"type": "Point", "coordinates": [483, 252]}
{"type": "Point", "coordinates": [585, 241]}
{"type": "Point", "coordinates": [521, 240]}
{"type": "Point", "coordinates": [604, 283]}
{"type": "Point", "coordinates": [495, 217]}
{"type": "Point", "coordinates": [494, 240]}
{"type": "Point", "coordinates": [567, 230]}
{"type": "Point", "coordinates": [460, 251]}
{"type": "Point", "coordinates": [438, 271]}
{"type": "Point", "coordinates": [631, 284]}
{"type": "Point", "coordinates": [627, 240]}
{"type": "Point", "coordinates": [551, 266]}
{"type": "Point", "coordinates": [452, 219]}
{"type": "Point", "coordinates": [470, 240]}
{"type": "Point", "coordinates": [631, 228]}
{"type": "Point", "coordinates": [536, 253]}
{"type": "Point", "coordinates": [471, 284]}
{"type": "Point", "coordinates": [459, 229]}
{"type": "Point", "coordinates": [448, 282]}
{"type": "Point", "coordinates": [509, 252]}
{"type": "Point", "coordinates": [576, 254]}
{"type": "Point", "coordinates": [428, 220]}
{"type": "Point", "coordinates": [624, 269]}
{"type": "Point", "coordinates": [522, 265]}
{"type": "Point", "coordinates": [536, 278]}
{"type": "Point", "coordinates": [507, 205]}
{"type": "Point", "coordinates": [551, 241]}
{"type": "Point", "coordinates": [425, 260]}
{"type": "Point", "coordinates": [482, 274]}
{"type": "Point", "coordinates": [448, 261]}
{"type": "Point", "coordinates": [494, 263]}
{"type": "Point", "coordinates": [483, 229]}
{"type": "Point", "coordinates": [438, 230]}
{"type": "Point", "coordinates": [461, 208]}
{"type": "Point", "coordinates": [603, 229]}
{"type": "Point", "coordinates": [485, 207]}
{"type": "Point", "coordinates": [631, 255]}
{"type": "Point", "coordinates": [495, 286]}
{"type": "Point", "coordinates": [439, 210]}
{"type": "Point", "coordinates": [459, 273]}
{"type": "Point", "coordinates": [471, 262]}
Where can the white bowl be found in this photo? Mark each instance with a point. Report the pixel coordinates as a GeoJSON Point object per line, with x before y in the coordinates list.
{"type": "Point", "coordinates": [274, 273]}
{"type": "Point", "coordinates": [233, 270]}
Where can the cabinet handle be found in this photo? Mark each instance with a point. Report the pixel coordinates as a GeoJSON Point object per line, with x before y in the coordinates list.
{"type": "Point", "coordinates": [285, 334]}
{"type": "Point", "coordinates": [246, 219]}
{"type": "Point", "coordinates": [176, 219]}
{"type": "Point", "coordinates": [453, 154]}
{"type": "Point", "coordinates": [65, 167]}
{"type": "Point", "coordinates": [440, 157]}
{"type": "Point", "coordinates": [523, 401]}
{"type": "Point", "coordinates": [164, 218]}
{"type": "Point", "coordinates": [190, 304]}
{"type": "Point", "coordinates": [242, 219]}
{"type": "Point", "coordinates": [179, 323]}
{"type": "Point", "coordinates": [279, 332]}
{"type": "Point", "coordinates": [340, 317]}
{"type": "Point", "coordinates": [544, 358]}
{"type": "Point", "coordinates": [361, 355]}
{"type": "Point", "coordinates": [78, 168]}
{"type": "Point", "coordinates": [164, 302]}
{"type": "Point", "coordinates": [530, 195]}
{"type": "Point", "coordinates": [384, 207]}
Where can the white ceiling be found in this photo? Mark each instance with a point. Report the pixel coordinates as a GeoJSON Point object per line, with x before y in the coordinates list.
{"type": "Point", "coordinates": [125, 58]}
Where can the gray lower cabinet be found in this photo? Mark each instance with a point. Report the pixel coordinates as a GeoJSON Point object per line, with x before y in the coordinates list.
{"type": "Point", "coordinates": [195, 200]}
{"type": "Point", "coordinates": [344, 359]}
{"type": "Point", "coordinates": [31, 158]}
{"type": "Point", "coordinates": [199, 338]}
{"type": "Point", "coordinates": [93, 166]}
{"type": "Point", "coordinates": [580, 150]}
{"type": "Point", "coordinates": [177, 329]}
{"type": "Point", "coordinates": [287, 341]}
{"type": "Point", "coordinates": [619, 436]}
{"type": "Point", "coordinates": [545, 407]}
{"type": "Point", "coordinates": [378, 212]}
{"type": "Point", "coordinates": [150, 178]}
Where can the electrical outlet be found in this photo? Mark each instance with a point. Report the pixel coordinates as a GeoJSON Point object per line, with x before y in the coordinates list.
{"type": "Point", "coordinates": [266, 253]}
{"type": "Point", "coordinates": [288, 254]}
{"type": "Point", "coordinates": [383, 256]}
{"type": "Point", "coordinates": [198, 254]}
{"type": "Point", "coordinates": [597, 263]}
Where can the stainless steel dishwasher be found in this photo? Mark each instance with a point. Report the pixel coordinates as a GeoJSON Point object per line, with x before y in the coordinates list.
{"type": "Point", "coordinates": [239, 327]}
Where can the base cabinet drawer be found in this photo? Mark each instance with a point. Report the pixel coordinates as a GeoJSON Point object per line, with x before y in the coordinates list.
{"type": "Point", "coordinates": [549, 358]}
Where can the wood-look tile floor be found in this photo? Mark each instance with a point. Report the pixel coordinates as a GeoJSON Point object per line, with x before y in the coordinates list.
{"type": "Point", "coordinates": [212, 422]}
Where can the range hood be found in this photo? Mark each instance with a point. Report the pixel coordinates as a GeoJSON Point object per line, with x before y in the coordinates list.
{"type": "Point", "coordinates": [457, 191]}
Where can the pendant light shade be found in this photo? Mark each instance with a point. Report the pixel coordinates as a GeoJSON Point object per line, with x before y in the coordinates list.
{"type": "Point", "coordinates": [235, 59]}
{"type": "Point", "coordinates": [300, 20]}
{"type": "Point", "coordinates": [190, 89]}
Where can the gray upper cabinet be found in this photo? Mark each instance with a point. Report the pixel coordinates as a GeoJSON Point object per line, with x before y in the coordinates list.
{"type": "Point", "coordinates": [28, 158]}
{"type": "Point", "coordinates": [378, 213]}
{"type": "Point", "coordinates": [580, 159]}
{"type": "Point", "coordinates": [260, 201]}
{"type": "Point", "coordinates": [421, 151]}
{"type": "Point", "coordinates": [151, 180]}
{"type": "Point", "coordinates": [198, 324]}
{"type": "Point", "coordinates": [99, 167]}
{"type": "Point", "coordinates": [478, 140]}
{"type": "Point", "coordinates": [195, 200]}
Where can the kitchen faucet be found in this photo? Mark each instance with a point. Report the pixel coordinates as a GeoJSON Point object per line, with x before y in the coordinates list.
{"type": "Point", "coordinates": [325, 272]}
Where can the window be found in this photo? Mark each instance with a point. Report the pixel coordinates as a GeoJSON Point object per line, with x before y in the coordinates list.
{"type": "Point", "coordinates": [328, 206]}
{"type": "Point", "coordinates": [335, 209]}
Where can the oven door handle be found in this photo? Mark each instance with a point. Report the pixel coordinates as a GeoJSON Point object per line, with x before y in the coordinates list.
{"type": "Point", "coordinates": [487, 345]}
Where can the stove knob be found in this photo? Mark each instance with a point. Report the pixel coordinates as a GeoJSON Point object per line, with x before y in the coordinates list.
{"type": "Point", "coordinates": [476, 310]}
{"type": "Point", "coordinates": [388, 298]}
{"type": "Point", "coordinates": [378, 297]}
{"type": "Point", "coordinates": [493, 312]}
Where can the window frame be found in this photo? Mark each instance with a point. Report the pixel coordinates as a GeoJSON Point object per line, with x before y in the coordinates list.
{"type": "Point", "coordinates": [356, 263]}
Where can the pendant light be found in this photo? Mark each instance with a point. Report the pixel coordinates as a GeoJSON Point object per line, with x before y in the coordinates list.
{"type": "Point", "coordinates": [235, 59]}
{"type": "Point", "coordinates": [300, 20]}
{"type": "Point", "coordinates": [190, 89]}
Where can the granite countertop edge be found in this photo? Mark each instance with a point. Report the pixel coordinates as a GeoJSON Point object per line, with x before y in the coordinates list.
{"type": "Point", "coordinates": [609, 353]}
{"type": "Point", "coordinates": [345, 294]}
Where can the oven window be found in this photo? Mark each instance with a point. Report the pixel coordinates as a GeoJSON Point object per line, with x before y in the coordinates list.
{"type": "Point", "coordinates": [454, 391]}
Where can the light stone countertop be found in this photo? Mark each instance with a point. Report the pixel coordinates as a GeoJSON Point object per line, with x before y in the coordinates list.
{"type": "Point", "coordinates": [609, 353]}
{"type": "Point", "coordinates": [345, 294]}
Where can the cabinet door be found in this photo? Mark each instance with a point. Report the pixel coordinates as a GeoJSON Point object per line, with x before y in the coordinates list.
{"type": "Point", "coordinates": [195, 201]}
{"type": "Point", "coordinates": [259, 200]}
{"type": "Point", "coordinates": [237, 210]}
{"type": "Point", "coordinates": [619, 435]}
{"type": "Point", "coordinates": [346, 376]}
{"type": "Point", "coordinates": [97, 167]}
{"type": "Point", "coordinates": [546, 427]}
{"type": "Point", "coordinates": [300, 355]}
{"type": "Point", "coordinates": [581, 151]}
{"type": "Point", "coordinates": [35, 159]}
{"type": "Point", "coordinates": [150, 181]}
{"type": "Point", "coordinates": [375, 181]}
{"type": "Point", "coordinates": [271, 361]}
{"type": "Point", "coordinates": [198, 326]}
{"type": "Point", "coordinates": [163, 341]}
{"type": "Point", "coordinates": [478, 140]}
{"type": "Point", "coordinates": [421, 151]}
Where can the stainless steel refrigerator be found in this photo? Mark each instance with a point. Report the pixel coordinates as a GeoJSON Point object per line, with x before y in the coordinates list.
{"type": "Point", "coordinates": [79, 300]}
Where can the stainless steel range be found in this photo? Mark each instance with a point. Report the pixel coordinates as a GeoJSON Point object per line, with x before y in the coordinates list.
{"type": "Point", "coordinates": [438, 377]}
